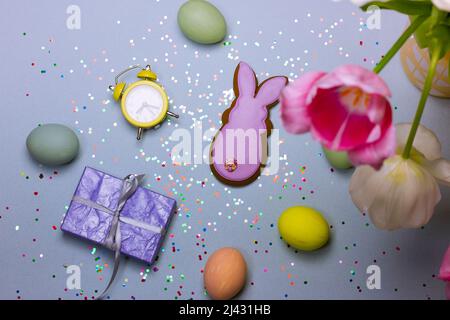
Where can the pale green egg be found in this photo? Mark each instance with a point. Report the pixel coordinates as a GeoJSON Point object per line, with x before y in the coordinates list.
{"type": "Point", "coordinates": [202, 22]}
{"type": "Point", "coordinates": [53, 144]}
{"type": "Point", "coordinates": [337, 159]}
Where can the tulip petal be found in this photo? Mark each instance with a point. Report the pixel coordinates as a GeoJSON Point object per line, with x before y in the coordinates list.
{"type": "Point", "coordinates": [444, 271]}
{"type": "Point", "coordinates": [337, 128]}
{"type": "Point", "coordinates": [358, 131]}
{"type": "Point", "coordinates": [426, 141]}
{"type": "Point", "coordinates": [440, 169]}
{"type": "Point", "coordinates": [360, 3]}
{"type": "Point", "coordinates": [443, 5]}
{"type": "Point", "coordinates": [409, 197]}
{"type": "Point", "coordinates": [361, 182]}
{"type": "Point", "coordinates": [354, 76]}
{"type": "Point", "coordinates": [294, 113]}
{"type": "Point", "coordinates": [400, 195]}
{"type": "Point", "coordinates": [329, 119]}
{"type": "Point", "coordinates": [377, 108]}
{"type": "Point", "coordinates": [374, 153]}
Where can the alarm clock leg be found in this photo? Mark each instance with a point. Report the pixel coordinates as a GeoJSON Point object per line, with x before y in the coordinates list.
{"type": "Point", "coordinates": [174, 115]}
{"type": "Point", "coordinates": [139, 133]}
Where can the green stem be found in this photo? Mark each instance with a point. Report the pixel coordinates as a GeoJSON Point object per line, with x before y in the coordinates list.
{"type": "Point", "coordinates": [399, 43]}
{"type": "Point", "coordinates": [435, 57]}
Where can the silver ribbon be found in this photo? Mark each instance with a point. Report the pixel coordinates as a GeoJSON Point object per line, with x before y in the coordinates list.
{"type": "Point", "coordinates": [113, 239]}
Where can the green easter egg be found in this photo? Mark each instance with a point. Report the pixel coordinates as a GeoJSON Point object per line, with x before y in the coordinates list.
{"type": "Point", "coordinates": [202, 22]}
{"type": "Point", "coordinates": [53, 144]}
{"type": "Point", "coordinates": [337, 159]}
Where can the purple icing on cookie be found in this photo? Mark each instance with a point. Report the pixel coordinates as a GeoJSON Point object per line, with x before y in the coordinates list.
{"type": "Point", "coordinates": [240, 146]}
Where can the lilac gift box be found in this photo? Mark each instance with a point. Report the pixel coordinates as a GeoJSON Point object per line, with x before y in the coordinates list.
{"type": "Point", "coordinates": [143, 206]}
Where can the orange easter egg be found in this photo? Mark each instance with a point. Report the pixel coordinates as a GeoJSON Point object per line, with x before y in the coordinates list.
{"type": "Point", "coordinates": [225, 273]}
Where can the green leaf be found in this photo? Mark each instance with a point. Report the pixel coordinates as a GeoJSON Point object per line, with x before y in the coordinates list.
{"type": "Point", "coordinates": [437, 16]}
{"type": "Point", "coordinates": [409, 7]}
{"type": "Point", "coordinates": [435, 28]}
{"type": "Point", "coordinates": [440, 37]}
{"type": "Point", "coordinates": [421, 34]}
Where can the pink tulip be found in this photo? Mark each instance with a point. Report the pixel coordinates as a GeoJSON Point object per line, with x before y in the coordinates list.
{"type": "Point", "coordinates": [444, 272]}
{"type": "Point", "coordinates": [346, 110]}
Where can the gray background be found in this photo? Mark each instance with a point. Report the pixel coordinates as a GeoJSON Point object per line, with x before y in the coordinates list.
{"type": "Point", "coordinates": [73, 92]}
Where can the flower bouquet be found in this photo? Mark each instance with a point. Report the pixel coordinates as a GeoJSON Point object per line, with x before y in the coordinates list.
{"type": "Point", "coordinates": [398, 167]}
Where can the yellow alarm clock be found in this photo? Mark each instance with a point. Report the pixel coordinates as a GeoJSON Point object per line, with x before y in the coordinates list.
{"type": "Point", "coordinates": [144, 103]}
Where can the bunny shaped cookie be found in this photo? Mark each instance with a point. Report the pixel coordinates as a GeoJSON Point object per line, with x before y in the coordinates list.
{"type": "Point", "coordinates": [240, 147]}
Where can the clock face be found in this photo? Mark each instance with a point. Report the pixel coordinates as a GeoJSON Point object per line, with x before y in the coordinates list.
{"type": "Point", "coordinates": [144, 103]}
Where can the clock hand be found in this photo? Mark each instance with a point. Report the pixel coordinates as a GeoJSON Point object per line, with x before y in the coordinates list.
{"type": "Point", "coordinates": [147, 106]}
{"type": "Point", "coordinates": [153, 106]}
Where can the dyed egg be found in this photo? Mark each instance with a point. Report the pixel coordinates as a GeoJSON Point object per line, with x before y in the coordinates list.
{"type": "Point", "coordinates": [202, 22]}
{"type": "Point", "coordinates": [225, 274]}
{"type": "Point", "coordinates": [53, 144]}
{"type": "Point", "coordinates": [337, 159]}
{"type": "Point", "coordinates": [303, 228]}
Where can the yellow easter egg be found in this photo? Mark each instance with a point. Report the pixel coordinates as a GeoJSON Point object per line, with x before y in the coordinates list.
{"type": "Point", "coordinates": [303, 228]}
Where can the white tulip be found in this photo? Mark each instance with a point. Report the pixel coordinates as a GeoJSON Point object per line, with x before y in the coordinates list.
{"type": "Point", "coordinates": [404, 192]}
{"type": "Point", "coordinates": [443, 5]}
{"type": "Point", "coordinates": [360, 3]}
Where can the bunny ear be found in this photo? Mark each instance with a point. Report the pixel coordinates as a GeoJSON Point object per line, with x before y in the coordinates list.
{"type": "Point", "coordinates": [246, 80]}
{"type": "Point", "coordinates": [270, 90]}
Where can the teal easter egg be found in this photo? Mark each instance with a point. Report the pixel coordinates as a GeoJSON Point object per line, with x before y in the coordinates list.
{"type": "Point", "coordinates": [337, 159]}
{"type": "Point", "coordinates": [53, 144]}
{"type": "Point", "coordinates": [201, 22]}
